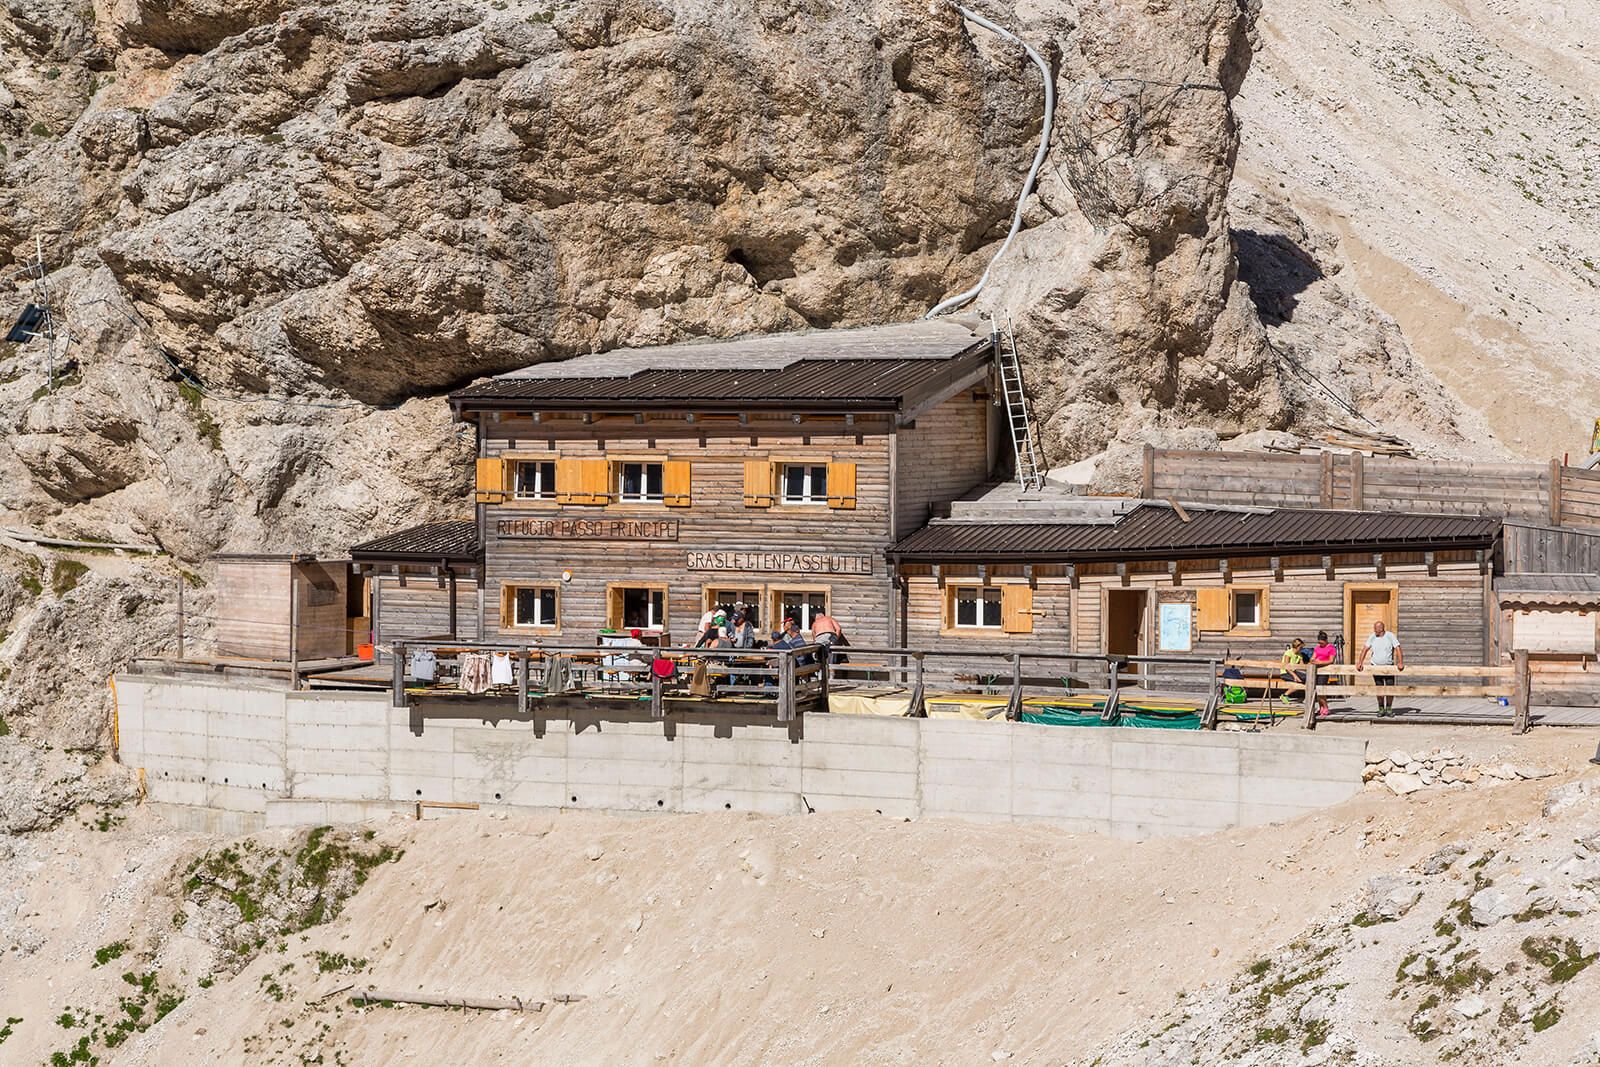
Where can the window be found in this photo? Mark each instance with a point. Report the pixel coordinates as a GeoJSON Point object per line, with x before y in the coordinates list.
{"type": "Point", "coordinates": [801, 605]}
{"type": "Point", "coordinates": [977, 606]}
{"type": "Point", "coordinates": [536, 481]}
{"type": "Point", "coordinates": [1222, 609]}
{"type": "Point", "coordinates": [639, 483]}
{"type": "Point", "coordinates": [805, 484]}
{"type": "Point", "coordinates": [726, 597]}
{"type": "Point", "coordinates": [534, 606]}
{"type": "Point", "coordinates": [638, 607]}
{"type": "Point", "coordinates": [1246, 608]}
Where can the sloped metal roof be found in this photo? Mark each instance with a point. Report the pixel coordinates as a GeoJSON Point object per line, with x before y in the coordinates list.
{"type": "Point", "coordinates": [454, 541]}
{"type": "Point", "coordinates": [879, 367]}
{"type": "Point", "coordinates": [1152, 531]}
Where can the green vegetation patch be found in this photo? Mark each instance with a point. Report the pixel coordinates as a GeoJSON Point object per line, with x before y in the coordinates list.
{"type": "Point", "coordinates": [1546, 1017]}
{"type": "Point", "coordinates": [204, 424]}
{"type": "Point", "coordinates": [1563, 957]}
{"type": "Point", "coordinates": [277, 892]}
{"type": "Point", "coordinates": [9, 1028]}
{"type": "Point", "coordinates": [65, 576]}
{"type": "Point", "coordinates": [106, 953]}
{"type": "Point", "coordinates": [145, 1004]}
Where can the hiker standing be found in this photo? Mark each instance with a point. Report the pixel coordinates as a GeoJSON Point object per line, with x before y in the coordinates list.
{"type": "Point", "coordinates": [1384, 649]}
{"type": "Point", "coordinates": [1323, 654]}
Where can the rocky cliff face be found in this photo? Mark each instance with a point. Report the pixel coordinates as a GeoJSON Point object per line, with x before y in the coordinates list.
{"type": "Point", "coordinates": [279, 232]}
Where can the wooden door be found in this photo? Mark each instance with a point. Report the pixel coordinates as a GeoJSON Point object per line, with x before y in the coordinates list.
{"type": "Point", "coordinates": [1363, 607]}
{"type": "Point", "coordinates": [1124, 621]}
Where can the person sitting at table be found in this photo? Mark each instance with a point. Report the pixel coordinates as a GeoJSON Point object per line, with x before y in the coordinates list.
{"type": "Point", "coordinates": [789, 636]}
{"type": "Point", "coordinates": [741, 633]}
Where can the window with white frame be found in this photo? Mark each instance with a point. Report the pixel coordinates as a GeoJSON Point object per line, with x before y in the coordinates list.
{"type": "Point", "coordinates": [1247, 608]}
{"type": "Point", "coordinates": [975, 607]}
{"type": "Point", "coordinates": [534, 606]}
{"type": "Point", "coordinates": [535, 480]}
{"type": "Point", "coordinates": [639, 483]}
{"type": "Point", "coordinates": [805, 483]}
{"type": "Point", "coordinates": [801, 605]}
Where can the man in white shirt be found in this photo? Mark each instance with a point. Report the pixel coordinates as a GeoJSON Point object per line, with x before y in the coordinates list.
{"type": "Point", "coordinates": [1384, 649]}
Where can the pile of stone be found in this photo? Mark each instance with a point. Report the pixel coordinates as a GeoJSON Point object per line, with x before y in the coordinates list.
{"type": "Point", "coordinates": [1403, 772]}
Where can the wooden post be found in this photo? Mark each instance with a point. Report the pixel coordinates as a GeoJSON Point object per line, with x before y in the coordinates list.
{"type": "Point", "coordinates": [1358, 481]}
{"type": "Point", "coordinates": [451, 571]}
{"type": "Point", "coordinates": [1110, 715]}
{"type": "Point", "coordinates": [1555, 492]}
{"type": "Point", "coordinates": [657, 707]}
{"type": "Point", "coordinates": [1520, 685]}
{"type": "Point", "coordinates": [1325, 489]}
{"type": "Point", "coordinates": [1208, 717]}
{"type": "Point", "coordinates": [1014, 704]}
{"type": "Point", "coordinates": [399, 678]}
{"type": "Point", "coordinates": [1149, 491]}
{"type": "Point", "coordinates": [294, 628]}
{"type": "Point", "coordinates": [524, 665]}
{"type": "Point", "coordinates": [180, 616]}
{"type": "Point", "coordinates": [824, 664]}
{"type": "Point", "coordinates": [914, 708]}
{"type": "Point", "coordinates": [1309, 721]}
{"type": "Point", "coordinates": [786, 685]}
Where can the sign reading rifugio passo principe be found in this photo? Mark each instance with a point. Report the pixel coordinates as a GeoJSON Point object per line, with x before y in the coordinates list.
{"type": "Point", "coordinates": [783, 562]}
{"type": "Point", "coordinates": [590, 529]}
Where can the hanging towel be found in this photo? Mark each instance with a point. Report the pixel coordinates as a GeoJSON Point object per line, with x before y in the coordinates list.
{"type": "Point", "coordinates": [423, 665]}
{"type": "Point", "coordinates": [500, 669]}
{"type": "Point", "coordinates": [474, 671]}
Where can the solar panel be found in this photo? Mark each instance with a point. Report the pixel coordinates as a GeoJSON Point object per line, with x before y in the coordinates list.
{"type": "Point", "coordinates": [27, 324]}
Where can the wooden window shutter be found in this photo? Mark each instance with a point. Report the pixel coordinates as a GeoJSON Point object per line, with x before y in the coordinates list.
{"type": "Point", "coordinates": [841, 485]}
{"type": "Point", "coordinates": [759, 478]}
{"type": "Point", "coordinates": [1216, 609]}
{"type": "Point", "coordinates": [583, 481]}
{"type": "Point", "coordinates": [491, 481]}
{"type": "Point", "coordinates": [614, 607]}
{"type": "Point", "coordinates": [1016, 609]}
{"type": "Point", "coordinates": [508, 596]}
{"type": "Point", "coordinates": [676, 475]}
{"type": "Point", "coordinates": [567, 475]}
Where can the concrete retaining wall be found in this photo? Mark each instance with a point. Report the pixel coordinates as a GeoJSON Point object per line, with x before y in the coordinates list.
{"type": "Point", "coordinates": [326, 757]}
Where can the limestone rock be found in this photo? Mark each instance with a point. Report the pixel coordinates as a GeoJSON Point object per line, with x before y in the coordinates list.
{"type": "Point", "coordinates": [1470, 1007]}
{"type": "Point", "coordinates": [1489, 906]}
{"type": "Point", "coordinates": [1401, 784]}
{"type": "Point", "coordinates": [1391, 896]}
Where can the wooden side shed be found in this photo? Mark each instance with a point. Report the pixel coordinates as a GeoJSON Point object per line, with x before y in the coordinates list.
{"type": "Point", "coordinates": [426, 582]}
{"type": "Point", "coordinates": [272, 607]}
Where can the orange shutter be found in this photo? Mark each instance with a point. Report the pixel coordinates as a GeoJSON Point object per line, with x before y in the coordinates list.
{"type": "Point", "coordinates": [1016, 609]}
{"type": "Point", "coordinates": [566, 481]}
{"type": "Point", "coordinates": [675, 483]}
{"type": "Point", "coordinates": [508, 618]}
{"type": "Point", "coordinates": [491, 482]}
{"type": "Point", "coordinates": [841, 485]}
{"type": "Point", "coordinates": [1216, 609]}
{"type": "Point", "coordinates": [758, 484]}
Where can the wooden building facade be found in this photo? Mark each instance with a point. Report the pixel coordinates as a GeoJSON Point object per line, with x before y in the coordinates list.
{"type": "Point", "coordinates": [639, 489]}
{"type": "Point", "coordinates": [1233, 582]}
{"type": "Point", "coordinates": [423, 582]}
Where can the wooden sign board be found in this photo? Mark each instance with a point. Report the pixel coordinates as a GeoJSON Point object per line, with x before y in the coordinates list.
{"type": "Point", "coordinates": [781, 562]}
{"type": "Point", "coordinates": [589, 529]}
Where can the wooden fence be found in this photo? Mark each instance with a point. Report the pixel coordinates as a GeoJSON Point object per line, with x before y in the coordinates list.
{"type": "Point", "coordinates": [1534, 494]}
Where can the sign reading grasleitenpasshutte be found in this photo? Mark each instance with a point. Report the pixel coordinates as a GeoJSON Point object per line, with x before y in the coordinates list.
{"type": "Point", "coordinates": [782, 562]}
{"type": "Point", "coordinates": [590, 529]}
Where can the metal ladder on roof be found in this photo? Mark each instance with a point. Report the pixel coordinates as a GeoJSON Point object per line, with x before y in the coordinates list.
{"type": "Point", "coordinates": [1018, 419]}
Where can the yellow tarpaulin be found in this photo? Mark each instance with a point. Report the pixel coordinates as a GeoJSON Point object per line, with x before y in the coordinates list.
{"type": "Point", "coordinates": [869, 702]}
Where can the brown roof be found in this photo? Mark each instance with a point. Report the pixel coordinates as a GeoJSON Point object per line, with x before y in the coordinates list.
{"type": "Point", "coordinates": [889, 368]}
{"type": "Point", "coordinates": [1159, 532]}
{"type": "Point", "coordinates": [454, 541]}
{"type": "Point", "coordinates": [1548, 590]}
